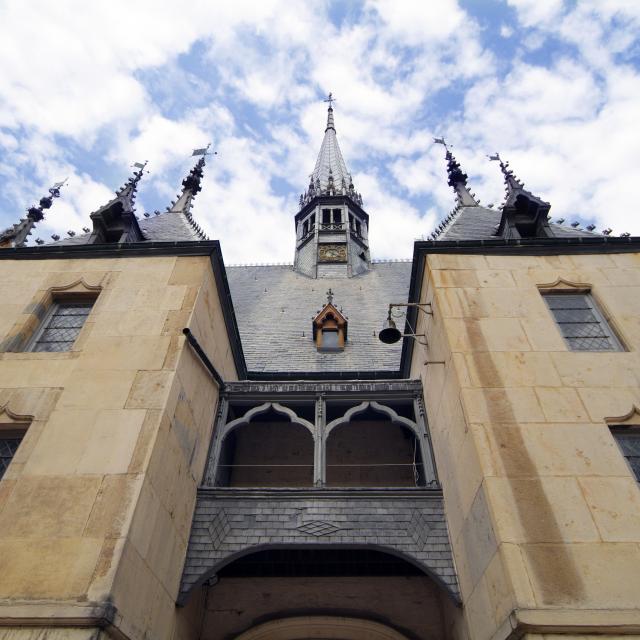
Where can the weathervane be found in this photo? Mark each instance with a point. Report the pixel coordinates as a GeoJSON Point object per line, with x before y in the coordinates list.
{"type": "Point", "coordinates": [330, 99]}
{"type": "Point", "coordinates": [441, 141]}
{"type": "Point", "coordinates": [495, 156]}
{"type": "Point", "coordinates": [204, 151]}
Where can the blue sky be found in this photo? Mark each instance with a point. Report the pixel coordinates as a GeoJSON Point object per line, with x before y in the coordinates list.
{"type": "Point", "coordinates": [89, 88]}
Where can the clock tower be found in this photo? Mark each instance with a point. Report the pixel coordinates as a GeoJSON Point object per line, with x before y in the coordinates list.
{"type": "Point", "coordinates": [332, 228]}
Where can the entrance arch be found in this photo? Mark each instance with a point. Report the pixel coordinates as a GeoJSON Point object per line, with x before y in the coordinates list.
{"type": "Point", "coordinates": [321, 628]}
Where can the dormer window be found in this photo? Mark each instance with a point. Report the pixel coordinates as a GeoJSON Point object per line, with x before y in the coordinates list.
{"type": "Point", "coordinates": [330, 327]}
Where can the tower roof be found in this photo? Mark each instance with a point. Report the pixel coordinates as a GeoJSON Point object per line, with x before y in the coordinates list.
{"type": "Point", "coordinates": [330, 162]}
{"type": "Point", "coordinates": [330, 176]}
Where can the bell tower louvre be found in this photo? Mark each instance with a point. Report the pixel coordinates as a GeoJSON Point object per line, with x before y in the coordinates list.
{"type": "Point", "coordinates": [197, 451]}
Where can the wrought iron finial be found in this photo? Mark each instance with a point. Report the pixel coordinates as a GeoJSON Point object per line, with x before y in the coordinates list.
{"type": "Point", "coordinates": [330, 293]}
{"type": "Point", "coordinates": [330, 99]}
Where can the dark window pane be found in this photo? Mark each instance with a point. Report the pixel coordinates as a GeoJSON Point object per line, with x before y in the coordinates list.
{"type": "Point", "coordinates": [583, 330]}
{"type": "Point", "coordinates": [73, 309]}
{"type": "Point", "coordinates": [574, 315]}
{"type": "Point", "coordinates": [580, 323]}
{"type": "Point", "coordinates": [567, 301]}
{"type": "Point", "coordinates": [629, 443]}
{"type": "Point", "coordinates": [63, 326]}
{"type": "Point", "coordinates": [8, 448]}
{"type": "Point", "coordinates": [329, 339]}
{"type": "Point", "coordinates": [590, 344]}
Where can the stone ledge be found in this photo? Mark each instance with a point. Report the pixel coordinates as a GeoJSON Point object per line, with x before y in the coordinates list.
{"type": "Point", "coordinates": [569, 621]}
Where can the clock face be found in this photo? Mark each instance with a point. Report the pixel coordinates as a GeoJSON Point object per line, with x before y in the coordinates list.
{"type": "Point", "coordinates": [332, 253]}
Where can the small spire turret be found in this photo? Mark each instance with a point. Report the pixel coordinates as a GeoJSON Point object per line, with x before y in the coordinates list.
{"type": "Point", "coordinates": [191, 186]}
{"type": "Point", "coordinates": [16, 236]}
{"type": "Point", "coordinates": [457, 178]}
{"type": "Point", "coordinates": [524, 215]}
{"type": "Point", "coordinates": [116, 221]}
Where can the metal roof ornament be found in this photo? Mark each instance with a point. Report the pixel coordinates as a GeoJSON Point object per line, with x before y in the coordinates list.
{"type": "Point", "coordinates": [523, 214]}
{"type": "Point", "coordinates": [457, 178]}
{"type": "Point", "coordinates": [16, 236]}
{"type": "Point", "coordinates": [191, 186]}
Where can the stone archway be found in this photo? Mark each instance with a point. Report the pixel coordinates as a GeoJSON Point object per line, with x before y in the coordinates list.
{"type": "Point", "coordinates": [321, 628]}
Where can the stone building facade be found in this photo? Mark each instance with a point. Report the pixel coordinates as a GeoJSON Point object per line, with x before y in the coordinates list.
{"type": "Point", "coordinates": [194, 452]}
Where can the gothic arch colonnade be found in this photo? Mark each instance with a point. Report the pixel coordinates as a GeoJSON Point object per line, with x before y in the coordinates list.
{"type": "Point", "coordinates": [320, 432]}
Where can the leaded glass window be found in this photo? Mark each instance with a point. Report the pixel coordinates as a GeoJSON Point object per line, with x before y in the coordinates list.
{"type": "Point", "coordinates": [629, 442]}
{"type": "Point", "coordinates": [61, 326]}
{"type": "Point", "coordinates": [8, 448]}
{"type": "Point", "coordinates": [581, 323]}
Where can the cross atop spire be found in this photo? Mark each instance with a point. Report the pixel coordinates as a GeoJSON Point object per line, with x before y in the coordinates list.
{"type": "Point", "coordinates": [330, 125]}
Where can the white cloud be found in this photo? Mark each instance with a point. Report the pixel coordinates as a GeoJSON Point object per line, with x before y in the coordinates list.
{"type": "Point", "coordinates": [127, 82]}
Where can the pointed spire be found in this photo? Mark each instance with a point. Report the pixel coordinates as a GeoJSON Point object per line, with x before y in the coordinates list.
{"type": "Point", "coordinates": [116, 220]}
{"type": "Point", "coordinates": [457, 178]}
{"type": "Point", "coordinates": [523, 214]}
{"type": "Point", "coordinates": [330, 122]}
{"type": "Point", "coordinates": [128, 191]}
{"type": "Point", "coordinates": [191, 186]}
{"type": "Point", "coordinates": [511, 182]}
{"type": "Point", "coordinates": [330, 175]}
{"type": "Point", "coordinates": [16, 235]}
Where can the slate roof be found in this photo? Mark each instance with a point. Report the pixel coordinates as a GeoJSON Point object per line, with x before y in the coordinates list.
{"type": "Point", "coordinates": [274, 307]}
{"type": "Point", "coordinates": [480, 223]}
{"type": "Point", "coordinates": [165, 227]}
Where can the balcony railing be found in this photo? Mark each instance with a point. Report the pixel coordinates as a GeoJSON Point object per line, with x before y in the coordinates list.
{"type": "Point", "coordinates": [332, 226]}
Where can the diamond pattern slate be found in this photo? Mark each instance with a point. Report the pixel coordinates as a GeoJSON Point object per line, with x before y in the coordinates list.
{"type": "Point", "coordinates": [318, 528]}
{"type": "Point", "coordinates": [229, 523]}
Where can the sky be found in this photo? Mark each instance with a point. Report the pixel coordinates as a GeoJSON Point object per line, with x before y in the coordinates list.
{"type": "Point", "coordinates": [88, 88]}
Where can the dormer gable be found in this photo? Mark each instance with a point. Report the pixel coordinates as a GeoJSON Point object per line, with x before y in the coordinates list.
{"type": "Point", "coordinates": [330, 328]}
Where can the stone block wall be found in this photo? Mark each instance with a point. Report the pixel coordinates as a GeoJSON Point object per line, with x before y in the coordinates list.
{"type": "Point", "coordinates": [96, 507]}
{"type": "Point", "coordinates": [544, 512]}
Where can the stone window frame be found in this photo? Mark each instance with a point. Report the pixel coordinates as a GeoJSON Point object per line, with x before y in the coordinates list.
{"type": "Point", "coordinates": [604, 319]}
{"type": "Point", "coordinates": [12, 427]}
{"type": "Point", "coordinates": [44, 308]}
{"type": "Point", "coordinates": [45, 324]}
{"type": "Point", "coordinates": [627, 425]}
{"type": "Point", "coordinates": [320, 429]}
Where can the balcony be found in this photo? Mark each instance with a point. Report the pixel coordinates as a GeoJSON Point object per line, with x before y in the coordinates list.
{"type": "Point", "coordinates": [231, 523]}
{"type": "Point", "coordinates": [325, 467]}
